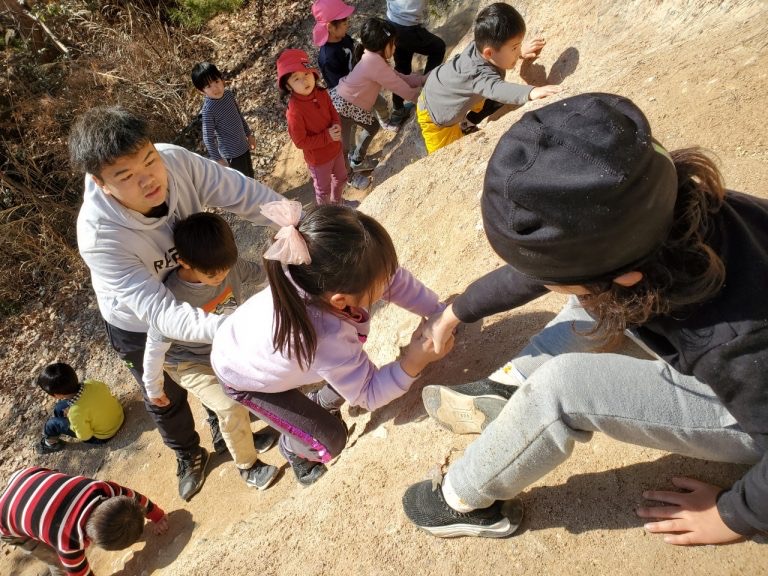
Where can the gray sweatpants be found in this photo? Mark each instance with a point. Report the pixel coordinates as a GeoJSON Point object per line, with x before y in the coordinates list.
{"type": "Point", "coordinates": [569, 392]}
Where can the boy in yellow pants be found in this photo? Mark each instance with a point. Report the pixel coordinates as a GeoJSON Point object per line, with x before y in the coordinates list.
{"type": "Point", "coordinates": [470, 86]}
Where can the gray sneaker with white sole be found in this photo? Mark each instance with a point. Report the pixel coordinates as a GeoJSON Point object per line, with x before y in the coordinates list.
{"type": "Point", "coordinates": [466, 408]}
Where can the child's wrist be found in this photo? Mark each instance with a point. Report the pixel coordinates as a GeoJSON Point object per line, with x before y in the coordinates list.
{"type": "Point", "coordinates": [411, 367]}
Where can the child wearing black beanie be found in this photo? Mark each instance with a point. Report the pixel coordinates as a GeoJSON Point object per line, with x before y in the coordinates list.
{"type": "Point", "coordinates": [663, 342]}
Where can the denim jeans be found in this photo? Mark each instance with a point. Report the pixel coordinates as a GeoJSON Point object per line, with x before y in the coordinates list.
{"type": "Point", "coordinates": [58, 424]}
{"type": "Point", "coordinates": [568, 391]}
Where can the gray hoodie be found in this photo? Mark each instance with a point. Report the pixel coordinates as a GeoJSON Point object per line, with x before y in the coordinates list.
{"type": "Point", "coordinates": [454, 87]}
{"type": "Point", "coordinates": [129, 255]}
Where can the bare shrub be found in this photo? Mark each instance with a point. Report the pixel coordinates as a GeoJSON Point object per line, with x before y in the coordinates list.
{"type": "Point", "coordinates": [117, 53]}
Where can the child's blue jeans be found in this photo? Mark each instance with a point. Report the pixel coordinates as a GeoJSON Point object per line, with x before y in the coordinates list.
{"type": "Point", "coordinates": [568, 392]}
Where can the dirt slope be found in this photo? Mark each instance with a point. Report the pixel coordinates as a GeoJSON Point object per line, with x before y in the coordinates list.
{"type": "Point", "coordinates": [698, 69]}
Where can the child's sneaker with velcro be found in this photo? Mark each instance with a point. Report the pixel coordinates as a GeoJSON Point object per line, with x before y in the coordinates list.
{"type": "Point", "coordinates": [307, 472]}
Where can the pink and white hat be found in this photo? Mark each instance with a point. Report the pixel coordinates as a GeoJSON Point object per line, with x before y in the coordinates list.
{"type": "Point", "coordinates": [326, 11]}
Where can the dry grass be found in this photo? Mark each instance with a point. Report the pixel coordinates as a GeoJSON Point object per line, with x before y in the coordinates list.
{"type": "Point", "coordinates": [118, 54]}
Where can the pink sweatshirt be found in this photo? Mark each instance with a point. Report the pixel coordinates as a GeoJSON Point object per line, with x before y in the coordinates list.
{"type": "Point", "coordinates": [244, 358]}
{"type": "Point", "coordinates": [361, 86]}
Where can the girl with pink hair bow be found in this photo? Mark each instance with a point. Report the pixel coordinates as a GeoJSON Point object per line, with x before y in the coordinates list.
{"type": "Point", "coordinates": [325, 271]}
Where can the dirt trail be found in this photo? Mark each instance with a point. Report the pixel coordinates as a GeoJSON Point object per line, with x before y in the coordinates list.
{"type": "Point", "coordinates": [699, 70]}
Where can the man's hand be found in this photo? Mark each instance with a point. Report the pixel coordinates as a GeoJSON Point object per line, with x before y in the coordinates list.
{"type": "Point", "coordinates": [252, 142]}
{"type": "Point", "coordinates": [222, 162]}
{"type": "Point", "coordinates": [692, 517]}
{"type": "Point", "coordinates": [162, 401]}
{"type": "Point", "coordinates": [161, 526]}
{"type": "Point", "coordinates": [532, 47]}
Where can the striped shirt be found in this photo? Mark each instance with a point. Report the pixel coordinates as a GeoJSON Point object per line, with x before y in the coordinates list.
{"type": "Point", "coordinates": [225, 132]}
{"type": "Point", "coordinates": [52, 507]}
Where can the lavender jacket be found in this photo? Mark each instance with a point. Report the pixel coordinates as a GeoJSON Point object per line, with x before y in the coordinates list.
{"type": "Point", "coordinates": [244, 358]}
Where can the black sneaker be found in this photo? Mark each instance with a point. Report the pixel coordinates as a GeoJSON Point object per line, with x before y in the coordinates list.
{"type": "Point", "coordinates": [191, 473]}
{"type": "Point", "coordinates": [265, 439]}
{"type": "Point", "coordinates": [260, 475]}
{"type": "Point", "coordinates": [399, 115]}
{"type": "Point", "coordinates": [219, 446]}
{"type": "Point", "coordinates": [468, 127]}
{"type": "Point", "coordinates": [307, 472]}
{"type": "Point", "coordinates": [44, 448]}
{"type": "Point", "coordinates": [425, 506]}
{"type": "Point", "coordinates": [466, 408]}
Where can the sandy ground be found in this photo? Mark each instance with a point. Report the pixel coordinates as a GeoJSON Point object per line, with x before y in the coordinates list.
{"type": "Point", "coordinates": [698, 69]}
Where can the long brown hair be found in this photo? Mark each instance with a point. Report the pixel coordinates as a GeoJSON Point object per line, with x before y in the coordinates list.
{"type": "Point", "coordinates": [351, 254]}
{"type": "Point", "coordinates": [683, 272]}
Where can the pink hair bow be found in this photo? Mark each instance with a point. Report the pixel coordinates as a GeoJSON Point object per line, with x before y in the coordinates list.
{"type": "Point", "coordinates": [289, 246]}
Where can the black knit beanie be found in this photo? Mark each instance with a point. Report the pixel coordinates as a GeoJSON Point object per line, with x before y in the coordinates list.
{"type": "Point", "coordinates": [578, 191]}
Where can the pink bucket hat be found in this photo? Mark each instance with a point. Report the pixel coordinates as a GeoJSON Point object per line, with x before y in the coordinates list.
{"type": "Point", "coordinates": [326, 11]}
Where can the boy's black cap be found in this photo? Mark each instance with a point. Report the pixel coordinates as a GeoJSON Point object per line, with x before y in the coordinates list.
{"type": "Point", "coordinates": [578, 191]}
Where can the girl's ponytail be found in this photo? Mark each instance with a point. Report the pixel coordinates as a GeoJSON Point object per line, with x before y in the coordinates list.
{"type": "Point", "coordinates": [292, 331]}
{"type": "Point", "coordinates": [331, 250]}
{"type": "Point", "coordinates": [685, 271]}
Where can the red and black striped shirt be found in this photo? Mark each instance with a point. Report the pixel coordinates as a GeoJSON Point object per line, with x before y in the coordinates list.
{"type": "Point", "coordinates": [53, 507]}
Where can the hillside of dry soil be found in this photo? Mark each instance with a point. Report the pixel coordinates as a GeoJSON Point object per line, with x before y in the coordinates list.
{"type": "Point", "coordinates": [699, 70]}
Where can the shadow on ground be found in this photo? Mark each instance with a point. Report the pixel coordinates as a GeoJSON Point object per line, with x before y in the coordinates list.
{"type": "Point", "coordinates": [607, 500]}
{"type": "Point", "coordinates": [161, 551]}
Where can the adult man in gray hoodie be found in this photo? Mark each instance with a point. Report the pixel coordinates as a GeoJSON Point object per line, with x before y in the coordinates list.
{"type": "Point", "coordinates": [135, 192]}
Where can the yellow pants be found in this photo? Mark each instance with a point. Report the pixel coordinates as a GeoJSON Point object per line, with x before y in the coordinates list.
{"type": "Point", "coordinates": [436, 137]}
{"type": "Point", "coordinates": [234, 418]}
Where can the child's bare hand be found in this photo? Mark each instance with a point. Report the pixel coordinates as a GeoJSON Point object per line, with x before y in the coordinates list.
{"type": "Point", "coordinates": [532, 47]}
{"type": "Point", "coordinates": [162, 401]}
{"type": "Point", "coordinates": [222, 162]}
{"type": "Point", "coordinates": [252, 142]}
{"type": "Point", "coordinates": [692, 517]}
{"type": "Point", "coordinates": [441, 327]}
{"type": "Point", "coordinates": [161, 526]}
{"type": "Point", "coordinates": [543, 91]}
{"type": "Point", "coordinates": [421, 351]}
{"type": "Point", "coordinates": [335, 132]}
